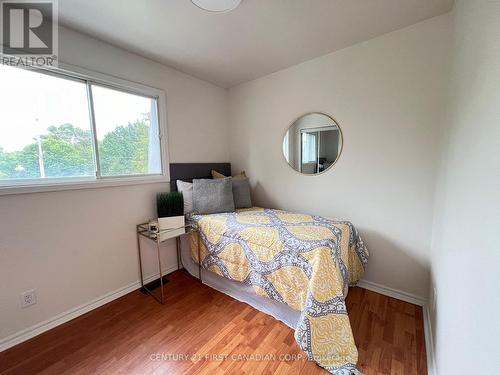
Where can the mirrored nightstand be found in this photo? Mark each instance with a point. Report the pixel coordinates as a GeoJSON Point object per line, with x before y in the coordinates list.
{"type": "Point", "coordinates": [159, 237]}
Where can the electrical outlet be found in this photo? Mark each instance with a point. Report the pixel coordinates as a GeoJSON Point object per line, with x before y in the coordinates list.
{"type": "Point", "coordinates": [28, 298]}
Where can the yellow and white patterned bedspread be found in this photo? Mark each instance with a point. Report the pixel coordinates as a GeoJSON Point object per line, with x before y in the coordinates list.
{"type": "Point", "coordinates": [306, 262]}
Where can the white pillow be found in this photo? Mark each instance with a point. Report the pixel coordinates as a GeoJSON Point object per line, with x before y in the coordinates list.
{"type": "Point", "coordinates": [186, 188]}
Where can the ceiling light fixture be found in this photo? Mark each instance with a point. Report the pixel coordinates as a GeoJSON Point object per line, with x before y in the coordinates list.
{"type": "Point", "coordinates": [217, 6]}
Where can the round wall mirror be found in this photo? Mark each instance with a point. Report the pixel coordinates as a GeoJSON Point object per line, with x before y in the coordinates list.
{"type": "Point", "coordinates": [313, 143]}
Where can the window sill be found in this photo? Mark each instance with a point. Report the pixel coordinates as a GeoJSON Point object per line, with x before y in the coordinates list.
{"type": "Point", "coordinates": [80, 184]}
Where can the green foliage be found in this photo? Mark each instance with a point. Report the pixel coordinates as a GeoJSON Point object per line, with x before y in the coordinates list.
{"type": "Point", "coordinates": [125, 150]}
{"type": "Point", "coordinates": [67, 151]}
{"type": "Point", "coordinates": [70, 134]}
{"type": "Point", "coordinates": [170, 204]}
{"type": "Point", "coordinates": [20, 164]}
{"type": "Point", "coordinates": [65, 159]}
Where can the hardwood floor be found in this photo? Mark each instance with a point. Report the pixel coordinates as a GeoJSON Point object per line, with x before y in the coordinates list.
{"type": "Point", "coordinates": [136, 335]}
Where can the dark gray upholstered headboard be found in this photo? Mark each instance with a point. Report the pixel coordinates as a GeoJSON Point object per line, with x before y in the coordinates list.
{"type": "Point", "coordinates": [190, 171]}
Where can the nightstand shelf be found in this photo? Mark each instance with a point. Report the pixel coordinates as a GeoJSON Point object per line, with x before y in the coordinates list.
{"type": "Point", "coordinates": [159, 237]}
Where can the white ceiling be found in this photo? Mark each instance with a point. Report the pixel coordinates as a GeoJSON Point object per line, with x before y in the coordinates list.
{"type": "Point", "coordinates": [258, 38]}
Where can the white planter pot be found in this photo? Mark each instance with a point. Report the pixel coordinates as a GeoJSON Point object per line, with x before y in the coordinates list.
{"type": "Point", "coordinates": [172, 222]}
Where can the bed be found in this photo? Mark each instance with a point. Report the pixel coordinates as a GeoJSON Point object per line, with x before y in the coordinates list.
{"type": "Point", "coordinates": [295, 267]}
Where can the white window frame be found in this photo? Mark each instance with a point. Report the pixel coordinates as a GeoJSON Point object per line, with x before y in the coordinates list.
{"type": "Point", "coordinates": [73, 183]}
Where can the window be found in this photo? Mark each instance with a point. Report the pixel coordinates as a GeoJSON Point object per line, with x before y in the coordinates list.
{"type": "Point", "coordinates": [309, 147]}
{"type": "Point", "coordinates": [127, 133]}
{"type": "Point", "coordinates": [57, 127]}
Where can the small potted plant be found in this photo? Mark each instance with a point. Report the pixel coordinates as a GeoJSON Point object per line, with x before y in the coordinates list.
{"type": "Point", "coordinates": [170, 207]}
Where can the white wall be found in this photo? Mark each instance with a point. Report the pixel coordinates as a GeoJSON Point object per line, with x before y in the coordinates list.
{"type": "Point", "coordinates": [75, 246]}
{"type": "Point", "coordinates": [388, 96]}
{"type": "Point", "coordinates": [466, 240]}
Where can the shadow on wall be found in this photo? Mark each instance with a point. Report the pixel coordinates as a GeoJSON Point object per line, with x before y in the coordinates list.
{"type": "Point", "coordinates": [260, 197]}
{"type": "Point", "coordinates": [382, 251]}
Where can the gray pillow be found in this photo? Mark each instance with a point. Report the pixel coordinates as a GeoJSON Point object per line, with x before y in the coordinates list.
{"type": "Point", "coordinates": [241, 193]}
{"type": "Point", "coordinates": [213, 196]}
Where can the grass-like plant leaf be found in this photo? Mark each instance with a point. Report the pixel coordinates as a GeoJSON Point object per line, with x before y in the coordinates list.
{"type": "Point", "coordinates": [170, 204]}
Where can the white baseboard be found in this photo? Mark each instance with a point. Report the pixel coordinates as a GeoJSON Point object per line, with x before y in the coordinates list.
{"type": "Point", "coordinates": [68, 315]}
{"type": "Point", "coordinates": [391, 292]}
{"type": "Point", "coordinates": [429, 342]}
{"type": "Point", "coordinates": [416, 300]}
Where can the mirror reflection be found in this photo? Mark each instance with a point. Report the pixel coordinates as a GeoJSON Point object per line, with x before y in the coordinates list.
{"type": "Point", "coordinates": [313, 143]}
